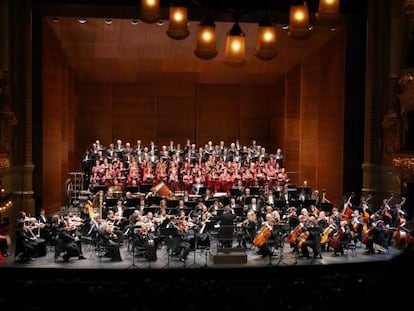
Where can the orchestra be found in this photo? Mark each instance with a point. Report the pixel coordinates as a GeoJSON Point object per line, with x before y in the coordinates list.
{"type": "Point", "coordinates": [200, 192]}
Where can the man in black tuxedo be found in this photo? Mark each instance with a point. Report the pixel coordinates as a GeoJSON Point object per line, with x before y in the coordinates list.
{"type": "Point", "coordinates": [227, 227]}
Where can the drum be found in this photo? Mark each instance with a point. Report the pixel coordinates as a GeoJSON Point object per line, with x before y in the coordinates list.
{"type": "Point", "coordinates": [162, 190]}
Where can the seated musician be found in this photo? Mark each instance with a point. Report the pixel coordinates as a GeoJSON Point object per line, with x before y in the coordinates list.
{"type": "Point", "coordinates": [180, 243]}
{"type": "Point", "coordinates": [247, 229]}
{"type": "Point", "coordinates": [24, 245]}
{"type": "Point", "coordinates": [341, 237]}
{"type": "Point", "coordinates": [311, 238]}
{"type": "Point", "coordinates": [266, 236]}
{"type": "Point", "coordinates": [202, 237]}
{"type": "Point", "coordinates": [107, 239]}
{"type": "Point", "coordinates": [142, 239]}
{"type": "Point", "coordinates": [68, 242]}
{"type": "Point", "coordinates": [114, 227]}
{"type": "Point", "coordinates": [376, 235]}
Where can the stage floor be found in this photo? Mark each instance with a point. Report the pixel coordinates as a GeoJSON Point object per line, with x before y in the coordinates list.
{"type": "Point", "coordinates": [213, 257]}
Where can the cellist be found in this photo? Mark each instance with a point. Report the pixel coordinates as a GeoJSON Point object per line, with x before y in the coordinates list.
{"type": "Point", "coordinates": [265, 236]}
{"type": "Point", "coordinates": [312, 232]}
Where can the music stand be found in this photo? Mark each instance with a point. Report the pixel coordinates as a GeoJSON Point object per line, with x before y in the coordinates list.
{"type": "Point", "coordinates": [254, 190]}
{"type": "Point", "coordinates": [98, 188]}
{"type": "Point", "coordinates": [110, 202]}
{"type": "Point", "coordinates": [172, 210]}
{"type": "Point", "coordinates": [132, 202]}
{"type": "Point", "coordinates": [172, 203]}
{"type": "Point", "coordinates": [133, 265]}
{"type": "Point", "coordinates": [132, 189]}
{"type": "Point", "coordinates": [154, 200]}
{"type": "Point", "coordinates": [235, 192]}
{"type": "Point", "coordinates": [309, 202]}
{"type": "Point", "coordinates": [145, 188]}
{"type": "Point", "coordinates": [169, 233]}
{"type": "Point", "coordinates": [202, 190]}
{"type": "Point", "coordinates": [279, 243]}
{"type": "Point", "coordinates": [194, 264]}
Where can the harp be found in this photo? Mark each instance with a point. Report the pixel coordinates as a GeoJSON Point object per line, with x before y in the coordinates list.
{"type": "Point", "coordinates": [95, 207]}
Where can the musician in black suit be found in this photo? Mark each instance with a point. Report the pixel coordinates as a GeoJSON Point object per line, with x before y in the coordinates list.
{"type": "Point", "coordinates": [227, 227]}
{"type": "Point", "coordinates": [179, 241]}
{"type": "Point", "coordinates": [313, 231]}
{"type": "Point", "coordinates": [24, 245]}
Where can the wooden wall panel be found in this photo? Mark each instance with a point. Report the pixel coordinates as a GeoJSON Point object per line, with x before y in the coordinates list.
{"type": "Point", "coordinates": [176, 119]}
{"type": "Point", "coordinates": [292, 120]}
{"type": "Point", "coordinates": [277, 116]}
{"type": "Point", "coordinates": [133, 112]}
{"type": "Point", "coordinates": [95, 113]}
{"type": "Point", "coordinates": [323, 71]}
{"type": "Point", "coordinates": [58, 132]}
{"type": "Point", "coordinates": [255, 115]}
{"type": "Point", "coordinates": [218, 113]}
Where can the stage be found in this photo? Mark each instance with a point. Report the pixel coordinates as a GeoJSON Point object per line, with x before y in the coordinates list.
{"type": "Point", "coordinates": [231, 279]}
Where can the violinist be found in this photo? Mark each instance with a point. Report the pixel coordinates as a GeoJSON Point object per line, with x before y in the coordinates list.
{"type": "Point", "coordinates": [311, 238]}
{"type": "Point", "coordinates": [202, 237]}
{"type": "Point", "coordinates": [68, 242]}
{"type": "Point", "coordinates": [105, 237]}
{"type": "Point", "coordinates": [24, 247]}
{"type": "Point", "coordinates": [180, 244]}
{"type": "Point", "coordinates": [142, 239]}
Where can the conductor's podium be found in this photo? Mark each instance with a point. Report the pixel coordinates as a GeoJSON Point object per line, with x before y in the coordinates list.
{"type": "Point", "coordinates": [233, 255]}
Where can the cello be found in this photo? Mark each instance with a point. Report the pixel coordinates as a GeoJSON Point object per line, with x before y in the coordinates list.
{"type": "Point", "coordinates": [261, 237]}
{"type": "Point", "coordinates": [293, 236]}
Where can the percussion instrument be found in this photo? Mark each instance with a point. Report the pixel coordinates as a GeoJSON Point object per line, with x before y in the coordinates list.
{"type": "Point", "coordinates": [163, 190]}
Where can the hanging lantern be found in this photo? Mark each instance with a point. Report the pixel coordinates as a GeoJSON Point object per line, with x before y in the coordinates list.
{"type": "Point", "coordinates": [328, 12]}
{"type": "Point", "coordinates": [150, 11]}
{"type": "Point", "coordinates": [178, 28]}
{"type": "Point", "coordinates": [206, 39]}
{"type": "Point", "coordinates": [235, 46]}
{"type": "Point", "coordinates": [266, 40]}
{"type": "Point", "coordinates": [299, 22]}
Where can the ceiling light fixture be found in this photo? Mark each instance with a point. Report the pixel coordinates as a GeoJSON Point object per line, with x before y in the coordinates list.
{"type": "Point", "coordinates": [299, 22]}
{"type": "Point", "coordinates": [178, 22]}
{"type": "Point", "coordinates": [235, 46]}
{"type": "Point", "coordinates": [206, 38]}
{"type": "Point", "coordinates": [150, 11]}
{"type": "Point", "coordinates": [266, 39]}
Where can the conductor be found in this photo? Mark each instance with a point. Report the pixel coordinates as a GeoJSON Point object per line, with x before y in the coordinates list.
{"type": "Point", "coordinates": [226, 227]}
